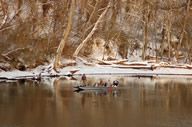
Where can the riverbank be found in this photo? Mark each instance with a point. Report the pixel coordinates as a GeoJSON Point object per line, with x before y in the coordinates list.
{"type": "Point", "coordinates": [131, 69]}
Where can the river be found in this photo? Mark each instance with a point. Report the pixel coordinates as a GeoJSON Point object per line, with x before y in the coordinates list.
{"type": "Point", "coordinates": [143, 102]}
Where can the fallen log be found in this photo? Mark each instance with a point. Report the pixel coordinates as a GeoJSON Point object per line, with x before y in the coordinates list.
{"type": "Point", "coordinates": [189, 66]}
{"type": "Point", "coordinates": [135, 64]}
{"type": "Point", "coordinates": [134, 67]}
{"type": "Point", "coordinates": [174, 66]}
{"type": "Point", "coordinates": [103, 62]}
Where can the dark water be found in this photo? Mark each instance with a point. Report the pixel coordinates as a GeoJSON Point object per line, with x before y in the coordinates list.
{"type": "Point", "coordinates": [52, 103]}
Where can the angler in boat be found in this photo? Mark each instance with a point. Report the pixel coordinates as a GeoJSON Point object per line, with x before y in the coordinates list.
{"type": "Point", "coordinates": [84, 80]}
{"type": "Point", "coordinates": [115, 83]}
{"type": "Point", "coordinates": [101, 85]}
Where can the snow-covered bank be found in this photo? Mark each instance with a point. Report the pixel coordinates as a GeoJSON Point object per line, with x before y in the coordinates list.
{"type": "Point", "coordinates": [108, 70]}
{"type": "Point", "coordinates": [99, 70]}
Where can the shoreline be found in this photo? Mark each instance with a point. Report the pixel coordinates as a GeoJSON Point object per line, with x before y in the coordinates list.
{"type": "Point", "coordinates": [41, 72]}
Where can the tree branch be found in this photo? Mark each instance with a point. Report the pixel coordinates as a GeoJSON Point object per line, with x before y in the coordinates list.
{"type": "Point", "coordinates": [92, 31]}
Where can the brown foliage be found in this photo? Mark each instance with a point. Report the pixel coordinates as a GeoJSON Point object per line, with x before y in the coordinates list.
{"type": "Point", "coordinates": [39, 26]}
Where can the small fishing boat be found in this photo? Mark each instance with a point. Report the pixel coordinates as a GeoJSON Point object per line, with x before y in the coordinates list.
{"type": "Point", "coordinates": [93, 88]}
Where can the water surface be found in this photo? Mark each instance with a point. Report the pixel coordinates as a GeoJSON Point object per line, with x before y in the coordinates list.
{"type": "Point", "coordinates": [53, 103]}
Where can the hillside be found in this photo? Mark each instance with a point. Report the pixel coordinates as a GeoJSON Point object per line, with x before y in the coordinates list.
{"type": "Point", "coordinates": [34, 33]}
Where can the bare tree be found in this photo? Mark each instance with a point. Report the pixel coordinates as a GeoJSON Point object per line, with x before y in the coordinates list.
{"type": "Point", "coordinates": [57, 61]}
{"type": "Point", "coordinates": [93, 30]}
{"type": "Point", "coordinates": [184, 27]}
{"type": "Point", "coordinates": [146, 22]}
{"type": "Point", "coordinates": [169, 25]}
{"type": "Point", "coordinates": [127, 24]}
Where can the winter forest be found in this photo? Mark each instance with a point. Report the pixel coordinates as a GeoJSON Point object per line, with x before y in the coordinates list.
{"type": "Point", "coordinates": [38, 32]}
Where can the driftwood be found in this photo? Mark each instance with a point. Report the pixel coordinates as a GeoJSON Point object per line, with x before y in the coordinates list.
{"type": "Point", "coordinates": [134, 64]}
{"type": "Point", "coordinates": [176, 66]}
{"type": "Point", "coordinates": [189, 66]}
{"type": "Point", "coordinates": [102, 62]}
{"type": "Point", "coordinates": [134, 67]}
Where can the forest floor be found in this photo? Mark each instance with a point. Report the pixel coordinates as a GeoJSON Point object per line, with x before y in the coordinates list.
{"type": "Point", "coordinates": [132, 69]}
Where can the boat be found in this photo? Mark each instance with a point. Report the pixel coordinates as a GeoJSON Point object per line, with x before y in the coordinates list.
{"type": "Point", "coordinates": [93, 88]}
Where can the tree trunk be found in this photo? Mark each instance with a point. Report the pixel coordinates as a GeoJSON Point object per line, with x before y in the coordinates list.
{"type": "Point", "coordinates": [57, 61]}
{"type": "Point", "coordinates": [145, 37]}
{"type": "Point", "coordinates": [169, 34]}
{"type": "Point", "coordinates": [190, 51]}
{"type": "Point", "coordinates": [162, 41]}
{"type": "Point", "coordinates": [93, 30]}
{"type": "Point", "coordinates": [187, 52]}
{"type": "Point", "coordinates": [183, 29]}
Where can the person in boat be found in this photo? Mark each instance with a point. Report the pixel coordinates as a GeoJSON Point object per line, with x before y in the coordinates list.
{"type": "Point", "coordinates": [109, 84]}
{"type": "Point", "coordinates": [96, 84]}
{"type": "Point", "coordinates": [115, 83]}
{"type": "Point", "coordinates": [101, 82]}
{"type": "Point", "coordinates": [84, 79]}
{"type": "Point", "coordinates": [105, 84]}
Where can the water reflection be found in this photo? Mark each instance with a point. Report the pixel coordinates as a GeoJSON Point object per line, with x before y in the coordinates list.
{"type": "Point", "coordinates": [52, 102]}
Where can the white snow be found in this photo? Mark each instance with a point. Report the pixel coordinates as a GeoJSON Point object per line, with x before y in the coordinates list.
{"type": "Point", "coordinates": [100, 70]}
